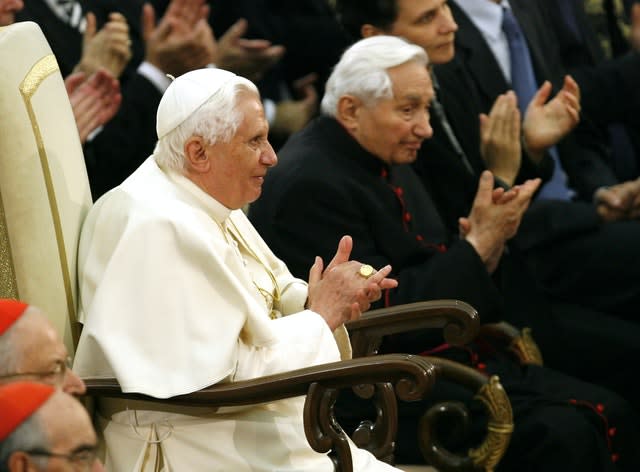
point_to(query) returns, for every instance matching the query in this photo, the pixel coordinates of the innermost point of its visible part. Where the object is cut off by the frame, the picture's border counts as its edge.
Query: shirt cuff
(154, 75)
(269, 110)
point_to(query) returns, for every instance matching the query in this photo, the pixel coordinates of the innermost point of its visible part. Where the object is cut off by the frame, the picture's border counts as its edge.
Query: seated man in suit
(31, 349)
(349, 172)
(43, 429)
(178, 292)
(561, 240)
(566, 229)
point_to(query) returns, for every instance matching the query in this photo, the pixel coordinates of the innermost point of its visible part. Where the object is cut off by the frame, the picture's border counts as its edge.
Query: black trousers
(561, 423)
(598, 269)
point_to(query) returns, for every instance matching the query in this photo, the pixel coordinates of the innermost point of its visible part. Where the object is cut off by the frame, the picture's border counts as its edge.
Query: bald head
(31, 349)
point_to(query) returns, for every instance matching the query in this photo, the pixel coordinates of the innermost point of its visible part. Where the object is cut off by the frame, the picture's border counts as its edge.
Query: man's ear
(348, 111)
(19, 462)
(195, 154)
(367, 30)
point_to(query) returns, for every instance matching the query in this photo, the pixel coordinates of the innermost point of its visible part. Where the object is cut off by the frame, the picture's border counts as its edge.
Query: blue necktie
(524, 85)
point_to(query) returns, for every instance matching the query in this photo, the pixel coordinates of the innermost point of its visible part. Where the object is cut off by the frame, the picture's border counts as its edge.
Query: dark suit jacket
(610, 92)
(126, 140)
(326, 185)
(65, 39)
(585, 164)
(306, 28)
(129, 138)
(556, 237)
(450, 182)
(453, 187)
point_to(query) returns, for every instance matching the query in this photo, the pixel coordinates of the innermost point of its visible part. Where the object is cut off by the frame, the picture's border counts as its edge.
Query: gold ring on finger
(366, 271)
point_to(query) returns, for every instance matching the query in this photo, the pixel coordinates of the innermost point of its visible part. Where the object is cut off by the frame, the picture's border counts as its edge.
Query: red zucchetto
(18, 401)
(10, 311)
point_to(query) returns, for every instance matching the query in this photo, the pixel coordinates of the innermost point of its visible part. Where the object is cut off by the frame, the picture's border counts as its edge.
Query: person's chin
(442, 54)
(408, 156)
(411, 158)
(254, 196)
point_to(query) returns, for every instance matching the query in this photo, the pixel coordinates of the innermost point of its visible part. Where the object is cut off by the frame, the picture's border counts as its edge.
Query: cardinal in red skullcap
(18, 401)
(10, 311)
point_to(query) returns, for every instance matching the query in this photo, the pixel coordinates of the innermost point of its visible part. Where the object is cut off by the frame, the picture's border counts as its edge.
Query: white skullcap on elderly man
(186, 94)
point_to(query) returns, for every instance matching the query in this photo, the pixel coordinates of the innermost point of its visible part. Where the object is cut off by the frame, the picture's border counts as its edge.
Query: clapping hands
(340, 292)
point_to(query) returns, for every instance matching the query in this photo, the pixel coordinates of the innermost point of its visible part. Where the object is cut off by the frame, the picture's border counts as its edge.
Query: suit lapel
(524, 13)
(544, 54)
(473, 50)
(461, 105)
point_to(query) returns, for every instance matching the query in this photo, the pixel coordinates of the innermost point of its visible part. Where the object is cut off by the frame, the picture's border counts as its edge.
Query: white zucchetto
(186, 94)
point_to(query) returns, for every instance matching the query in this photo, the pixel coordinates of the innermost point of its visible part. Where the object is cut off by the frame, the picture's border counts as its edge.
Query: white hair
(29, 436)
(362, 70)
(215, 120)
(9, 356)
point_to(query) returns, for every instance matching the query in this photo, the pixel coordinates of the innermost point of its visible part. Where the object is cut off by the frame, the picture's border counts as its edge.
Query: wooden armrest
(411, 376)
(518, 342)
(458, 320)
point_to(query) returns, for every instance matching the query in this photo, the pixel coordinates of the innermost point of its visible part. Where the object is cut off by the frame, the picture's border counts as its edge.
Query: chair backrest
(44, 188)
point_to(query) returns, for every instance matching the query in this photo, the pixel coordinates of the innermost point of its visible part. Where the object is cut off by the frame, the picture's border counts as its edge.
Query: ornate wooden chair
(44, 197)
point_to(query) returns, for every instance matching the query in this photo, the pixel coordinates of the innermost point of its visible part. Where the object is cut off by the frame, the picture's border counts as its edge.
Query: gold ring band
(366, 271)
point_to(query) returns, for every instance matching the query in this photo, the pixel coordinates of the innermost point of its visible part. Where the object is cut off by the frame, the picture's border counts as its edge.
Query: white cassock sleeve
(167, 307)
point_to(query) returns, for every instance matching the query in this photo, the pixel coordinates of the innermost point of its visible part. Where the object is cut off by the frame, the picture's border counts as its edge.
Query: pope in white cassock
(178, 292)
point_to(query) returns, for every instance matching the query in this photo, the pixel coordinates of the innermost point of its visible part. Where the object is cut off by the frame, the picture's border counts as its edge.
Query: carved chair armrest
(519, 342)
(412, 378)
(461, 324)
(458, 320)
(490, 393)
(408, 372)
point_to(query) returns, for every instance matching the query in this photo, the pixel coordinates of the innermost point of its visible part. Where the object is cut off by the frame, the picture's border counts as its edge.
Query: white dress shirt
(486, 15)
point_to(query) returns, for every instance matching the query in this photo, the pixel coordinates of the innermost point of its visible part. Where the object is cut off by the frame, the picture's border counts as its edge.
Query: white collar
(213, 207)
(485, 14)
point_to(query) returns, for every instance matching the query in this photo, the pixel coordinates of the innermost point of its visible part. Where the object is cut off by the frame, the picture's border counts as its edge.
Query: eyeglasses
(57, 374)
(81, 460)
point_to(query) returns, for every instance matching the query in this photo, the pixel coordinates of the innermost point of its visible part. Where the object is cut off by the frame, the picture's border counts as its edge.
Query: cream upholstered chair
(44, 197)
(44, 189)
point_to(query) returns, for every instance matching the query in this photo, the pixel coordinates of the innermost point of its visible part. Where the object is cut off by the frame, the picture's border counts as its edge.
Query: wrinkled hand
(182, 41)
(500, 138)
(94, 100)
(635, 27)
(547, 123)
(495, 217)
(109, 48)
(339, 293)
(499, 196)
(250, 58)
(619, 202)
(293, 115)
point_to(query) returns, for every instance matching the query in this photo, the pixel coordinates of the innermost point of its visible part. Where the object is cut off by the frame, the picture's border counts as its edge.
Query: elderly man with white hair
(178, 292)
(349, 172)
